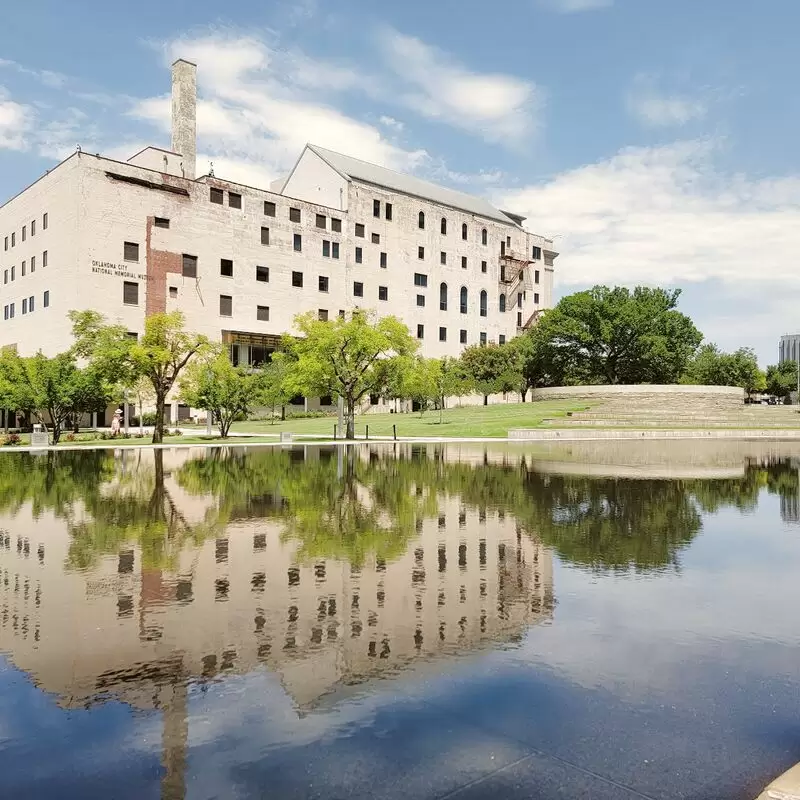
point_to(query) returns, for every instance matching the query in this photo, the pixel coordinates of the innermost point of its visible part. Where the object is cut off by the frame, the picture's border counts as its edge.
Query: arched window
(484, 237)
(464, 231)
(484, 301)
(422, 220)
(443, 297)
(463, 300)
(444, 226)
(502, 303)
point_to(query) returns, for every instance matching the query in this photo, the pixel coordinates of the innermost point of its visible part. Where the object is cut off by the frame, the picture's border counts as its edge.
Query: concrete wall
(649, 395)
(316, 182)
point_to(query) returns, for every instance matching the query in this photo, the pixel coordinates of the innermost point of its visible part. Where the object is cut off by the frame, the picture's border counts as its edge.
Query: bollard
(394, 432)
(367, 432)
(334, 430)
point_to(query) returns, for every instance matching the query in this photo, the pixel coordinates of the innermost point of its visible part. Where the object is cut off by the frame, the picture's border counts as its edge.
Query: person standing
(115, 422)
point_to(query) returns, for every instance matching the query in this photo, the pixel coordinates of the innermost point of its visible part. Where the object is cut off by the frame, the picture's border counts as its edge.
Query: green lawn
(474, 421)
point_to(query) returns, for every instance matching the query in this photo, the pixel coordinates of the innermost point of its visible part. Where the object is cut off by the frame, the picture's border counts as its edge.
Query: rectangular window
(226, 267)
(323, 283)
(442, 334)
(269, 208)
(217, 196)
(442, 257)
(360, 230)
(383, 260)
(376, 208)
(376, 238)
(322, 316)
(536, 276)
(483, 266)
(33, 227)
(5, 311)
(389, 211)
(359, 255)
(24, 267)
(225, 305)
(30, 304)
(420, 252)
(483, 337)
(264, 235)
(189, 266)
(508, 242)
(463, 262)
(33, 263)
(536, 253)
(44, 222)
(234, 200)
(341, 313)
(14, 239)
(336, 225)
(6, 243)
(519, 319)
(161, 222)
(294, 215)
(322, 221)
(130, 293)
(501, 339)
(11, 311)
(383, 293)
(24, 305)
(420, 279)
(24, 232)
(5, 276)
(262, 313)
(536, 298)
(13, 270)
(334, 249)
(462, 336)
(44, 258)
(130, 251)
(520, 298)
(358, 289)
(262, 274)
(173, 292)
(421, 300)
(297, 280)
(326, 248)
(46, 299)
(297, 243)
(420, 331)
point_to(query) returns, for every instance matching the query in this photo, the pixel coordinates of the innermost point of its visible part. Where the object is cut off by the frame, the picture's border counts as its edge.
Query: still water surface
(402, 621)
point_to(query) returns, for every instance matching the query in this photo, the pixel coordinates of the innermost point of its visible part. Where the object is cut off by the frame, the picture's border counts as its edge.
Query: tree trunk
(224, 425)
(283, 413)
(350, 418)
(486, 399)
(523, 392)
(158, 428)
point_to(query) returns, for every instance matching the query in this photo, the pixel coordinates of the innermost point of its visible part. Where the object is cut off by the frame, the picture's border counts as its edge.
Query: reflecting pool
(597, 620)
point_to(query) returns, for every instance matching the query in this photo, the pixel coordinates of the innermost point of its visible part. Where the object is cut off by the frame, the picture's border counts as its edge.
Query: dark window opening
(294, 215)
(217, 196)
(234, 200)
(297, 280)
(226, 267)
(130, 293)
(131, 251)
(189, 266)
(225, 305)
(264, 235)
(269, 208)
(262, 274)
(262, 313)
(161, 222)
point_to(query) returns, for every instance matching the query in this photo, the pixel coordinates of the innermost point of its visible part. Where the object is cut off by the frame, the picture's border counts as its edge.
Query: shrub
(70, 437)
(12, 439)
(308, 414)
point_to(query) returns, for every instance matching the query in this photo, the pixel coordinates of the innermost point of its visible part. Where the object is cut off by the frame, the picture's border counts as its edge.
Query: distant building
(789, 348)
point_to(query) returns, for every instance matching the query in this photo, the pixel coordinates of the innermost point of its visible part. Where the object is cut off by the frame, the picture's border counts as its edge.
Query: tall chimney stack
(184, 114)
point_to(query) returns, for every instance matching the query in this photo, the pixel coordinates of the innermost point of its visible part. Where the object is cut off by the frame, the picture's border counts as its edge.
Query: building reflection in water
(147, 571)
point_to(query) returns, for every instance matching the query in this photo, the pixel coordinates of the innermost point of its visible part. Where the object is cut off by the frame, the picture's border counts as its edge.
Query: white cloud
(15, 123)
(500, 108)
(260, 105)
(574, 6)
(666, 215)
(391, 122)
(48, 78)
(657, 108)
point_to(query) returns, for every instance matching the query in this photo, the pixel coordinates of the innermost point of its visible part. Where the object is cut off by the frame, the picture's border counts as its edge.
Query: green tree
(52, 389)
(619, 337)
(781, 379)
(274, 384)
(712, 367)
(493, 368)
(210, 381)
(341, 357)
(160, 355)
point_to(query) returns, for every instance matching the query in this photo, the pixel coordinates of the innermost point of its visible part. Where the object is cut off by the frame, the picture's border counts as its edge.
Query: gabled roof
(358, 170)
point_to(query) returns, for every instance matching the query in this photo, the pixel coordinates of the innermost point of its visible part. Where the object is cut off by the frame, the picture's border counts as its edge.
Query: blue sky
(656, 139)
